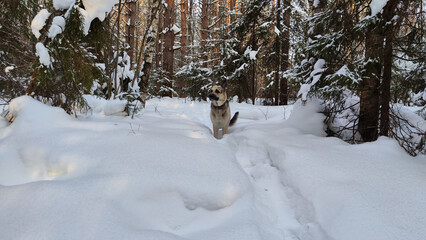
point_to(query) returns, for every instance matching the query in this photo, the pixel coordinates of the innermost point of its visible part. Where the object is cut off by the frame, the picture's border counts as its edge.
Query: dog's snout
(213, 97)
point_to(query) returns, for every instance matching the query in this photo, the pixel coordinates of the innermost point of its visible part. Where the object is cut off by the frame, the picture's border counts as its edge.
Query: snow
(377, 6)
(345, 71)
(104, 107)
(60, 21)
(175, 29)
(58, 25)
(251, 53)
(304, 90)
(39, 21)
(63, 4)
(95, 9)
(43, 54)
(8, 69)
(319, 64)
(316, 3)
(54, 30)
(314, 77)
(276, 30)
(162, 175)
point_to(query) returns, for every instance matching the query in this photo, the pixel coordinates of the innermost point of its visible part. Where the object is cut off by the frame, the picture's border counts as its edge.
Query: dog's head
(218, 94)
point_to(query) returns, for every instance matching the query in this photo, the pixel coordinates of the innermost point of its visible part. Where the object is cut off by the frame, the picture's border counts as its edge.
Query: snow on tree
(65, 68)
(39, 22)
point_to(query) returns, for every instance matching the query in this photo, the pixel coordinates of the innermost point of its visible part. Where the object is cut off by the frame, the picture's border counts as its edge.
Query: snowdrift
(162, 175)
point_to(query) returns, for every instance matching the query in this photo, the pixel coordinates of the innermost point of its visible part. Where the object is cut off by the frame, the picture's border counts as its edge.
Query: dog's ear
(224, 84)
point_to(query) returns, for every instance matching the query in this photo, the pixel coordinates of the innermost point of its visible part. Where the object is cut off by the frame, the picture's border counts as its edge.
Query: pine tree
(168, 51)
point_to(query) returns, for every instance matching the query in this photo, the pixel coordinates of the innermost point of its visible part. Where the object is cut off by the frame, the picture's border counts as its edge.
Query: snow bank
(111, 177)
(105, 107)
(162, 175)
(30, 113)
(335, 190)
(3, 122)
(27, 160)
(307, 118)
(39, 21)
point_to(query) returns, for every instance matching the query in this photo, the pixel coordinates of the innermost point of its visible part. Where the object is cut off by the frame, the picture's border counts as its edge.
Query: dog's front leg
(216, 132)
(225, 130)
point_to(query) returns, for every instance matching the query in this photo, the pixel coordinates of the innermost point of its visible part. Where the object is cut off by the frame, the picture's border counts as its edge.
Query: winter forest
(106, 129)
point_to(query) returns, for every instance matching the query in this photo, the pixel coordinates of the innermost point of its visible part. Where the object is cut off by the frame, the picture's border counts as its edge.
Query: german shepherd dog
(220, 113)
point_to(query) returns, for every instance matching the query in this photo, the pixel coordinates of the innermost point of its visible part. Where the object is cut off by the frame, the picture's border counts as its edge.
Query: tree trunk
(232, 8)
(321, 4)
(204, 32)
(147, 50)
(159, 39)
(253, 66)
(215, 32)
(369, 99)
(285, 50)
(117, 47)
(184, 24)
(169, 39)
(278, 54)
(190, 24)
(130, 38)
(390, 28)
(183, 14)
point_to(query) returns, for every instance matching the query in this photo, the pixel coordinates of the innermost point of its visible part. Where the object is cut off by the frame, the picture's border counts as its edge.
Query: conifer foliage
(64, 69)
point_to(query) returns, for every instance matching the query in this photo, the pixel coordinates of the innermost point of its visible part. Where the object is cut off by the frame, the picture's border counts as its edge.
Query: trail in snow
(277, 202)
(162, 176)
(278, 206)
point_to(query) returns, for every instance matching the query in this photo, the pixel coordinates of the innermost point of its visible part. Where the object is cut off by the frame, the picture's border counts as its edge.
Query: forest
(361, 59)
(114, 119)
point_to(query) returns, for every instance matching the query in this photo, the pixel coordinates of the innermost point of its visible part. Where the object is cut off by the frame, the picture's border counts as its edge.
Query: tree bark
(285, 50)
(131, 26)
(147, 50)
(391, 26)
(232, 8)
(317, 9)
(204, 32)
(253, 65)
(278, 54)
(169, 39)
(159, 39)
(117, 45)
(190, 24)
(369, 99)
(184, 24)
(184, 33)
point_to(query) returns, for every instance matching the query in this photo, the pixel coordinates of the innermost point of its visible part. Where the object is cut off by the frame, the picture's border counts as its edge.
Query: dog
(220, 113)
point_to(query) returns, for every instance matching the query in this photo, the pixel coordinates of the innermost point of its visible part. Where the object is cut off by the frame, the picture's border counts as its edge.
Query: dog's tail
(234, 119)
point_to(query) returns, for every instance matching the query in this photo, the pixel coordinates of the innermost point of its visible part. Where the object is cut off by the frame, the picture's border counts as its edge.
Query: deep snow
(162, 175)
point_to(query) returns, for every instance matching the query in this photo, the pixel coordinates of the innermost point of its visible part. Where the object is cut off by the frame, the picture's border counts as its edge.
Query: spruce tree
(16, 46)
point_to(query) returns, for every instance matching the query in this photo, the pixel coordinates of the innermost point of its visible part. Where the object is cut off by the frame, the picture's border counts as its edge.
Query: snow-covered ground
(162, 175)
